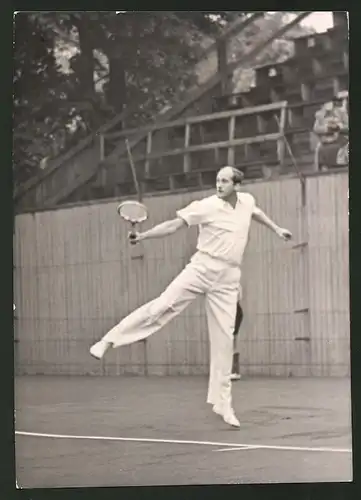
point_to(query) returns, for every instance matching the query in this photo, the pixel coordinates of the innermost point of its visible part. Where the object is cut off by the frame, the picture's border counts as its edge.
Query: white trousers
(219, 283)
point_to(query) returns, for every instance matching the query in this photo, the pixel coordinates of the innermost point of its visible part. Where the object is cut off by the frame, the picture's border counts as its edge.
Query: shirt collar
(225, 204)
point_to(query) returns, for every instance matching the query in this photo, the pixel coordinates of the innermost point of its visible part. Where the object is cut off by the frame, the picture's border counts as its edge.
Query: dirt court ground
(101, 431)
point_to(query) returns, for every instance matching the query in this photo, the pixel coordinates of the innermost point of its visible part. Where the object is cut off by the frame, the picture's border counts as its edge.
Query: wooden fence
(75, 276)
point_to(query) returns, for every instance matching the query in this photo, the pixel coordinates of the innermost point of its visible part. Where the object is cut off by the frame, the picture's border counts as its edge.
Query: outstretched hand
(284, 234)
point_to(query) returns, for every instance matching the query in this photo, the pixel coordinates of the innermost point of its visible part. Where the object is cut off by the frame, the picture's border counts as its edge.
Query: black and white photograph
(181, 277)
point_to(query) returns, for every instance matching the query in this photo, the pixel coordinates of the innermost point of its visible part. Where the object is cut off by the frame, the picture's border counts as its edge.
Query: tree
(150, 57)
(36, 73)
(143, 59)
(255, 33)
(278, 51)
(78, 35)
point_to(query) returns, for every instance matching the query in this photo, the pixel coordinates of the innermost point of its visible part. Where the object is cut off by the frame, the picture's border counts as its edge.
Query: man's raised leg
(152, 316)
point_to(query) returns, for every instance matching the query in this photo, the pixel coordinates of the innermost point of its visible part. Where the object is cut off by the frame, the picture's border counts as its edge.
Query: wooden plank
(25, 240)
(230, 31)
(263, 108)
(81, 234)
(43, 293)
(27, 331)
(261, 124)
(43, 235)
(301, 348)
(276, 35)
(206, 147)
(56, 229)
(27, 307)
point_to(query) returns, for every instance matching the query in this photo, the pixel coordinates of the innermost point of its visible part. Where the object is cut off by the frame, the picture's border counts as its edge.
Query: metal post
(231, 130)
(102, 147)
(149, 150)
(281, 142)
(186, 157)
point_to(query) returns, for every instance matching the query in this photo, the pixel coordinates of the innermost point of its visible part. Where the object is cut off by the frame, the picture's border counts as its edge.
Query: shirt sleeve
(195, 213)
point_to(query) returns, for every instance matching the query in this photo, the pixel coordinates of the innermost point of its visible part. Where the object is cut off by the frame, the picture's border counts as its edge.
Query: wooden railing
(159, 144)
(186, 124)
(187, 159)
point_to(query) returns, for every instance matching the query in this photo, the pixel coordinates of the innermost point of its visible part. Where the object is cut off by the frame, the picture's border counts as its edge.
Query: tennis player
(214, 271)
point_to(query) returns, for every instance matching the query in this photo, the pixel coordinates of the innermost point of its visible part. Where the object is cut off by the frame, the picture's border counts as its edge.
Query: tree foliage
(112, 61)
(278, 51)
(38, 113)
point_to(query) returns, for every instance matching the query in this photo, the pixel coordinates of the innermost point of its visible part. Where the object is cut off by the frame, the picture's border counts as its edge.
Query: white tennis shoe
(228, 415)
(230, 418)
(235, 376)
(99, 349)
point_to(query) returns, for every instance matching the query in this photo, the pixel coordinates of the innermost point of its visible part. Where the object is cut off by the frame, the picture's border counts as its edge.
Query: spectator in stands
(331, 127)
(343, 153)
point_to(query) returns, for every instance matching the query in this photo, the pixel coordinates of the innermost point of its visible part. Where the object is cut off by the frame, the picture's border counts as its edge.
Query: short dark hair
(337, 100)
(238, 176)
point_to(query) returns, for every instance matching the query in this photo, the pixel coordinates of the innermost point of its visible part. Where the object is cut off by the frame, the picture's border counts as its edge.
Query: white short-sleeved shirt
(223, 230)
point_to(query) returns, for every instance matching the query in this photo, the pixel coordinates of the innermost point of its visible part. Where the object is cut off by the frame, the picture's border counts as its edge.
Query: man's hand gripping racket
(284, 234)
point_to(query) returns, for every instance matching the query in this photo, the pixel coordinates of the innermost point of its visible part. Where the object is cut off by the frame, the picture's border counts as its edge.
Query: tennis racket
(133, 212)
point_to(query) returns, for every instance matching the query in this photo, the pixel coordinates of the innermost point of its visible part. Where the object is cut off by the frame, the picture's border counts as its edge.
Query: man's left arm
(259, 216)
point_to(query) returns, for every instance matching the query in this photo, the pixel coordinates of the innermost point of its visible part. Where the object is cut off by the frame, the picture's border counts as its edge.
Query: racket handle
(132, 237)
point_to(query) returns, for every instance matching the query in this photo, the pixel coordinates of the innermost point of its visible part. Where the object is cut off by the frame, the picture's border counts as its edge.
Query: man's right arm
(195, 213)
(164, 229)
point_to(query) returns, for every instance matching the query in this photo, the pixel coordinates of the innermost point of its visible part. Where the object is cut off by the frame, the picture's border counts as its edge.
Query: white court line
(136, 440)
(238, 448)
(178, 441)
(289, 448)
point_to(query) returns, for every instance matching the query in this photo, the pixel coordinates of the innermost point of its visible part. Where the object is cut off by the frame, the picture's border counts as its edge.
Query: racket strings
(133, 212)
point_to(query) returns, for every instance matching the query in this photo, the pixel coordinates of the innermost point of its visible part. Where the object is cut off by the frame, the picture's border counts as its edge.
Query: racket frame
(133, 222)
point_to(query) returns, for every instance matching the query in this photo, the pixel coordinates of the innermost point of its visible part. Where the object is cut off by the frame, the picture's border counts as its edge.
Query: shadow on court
(295, 430)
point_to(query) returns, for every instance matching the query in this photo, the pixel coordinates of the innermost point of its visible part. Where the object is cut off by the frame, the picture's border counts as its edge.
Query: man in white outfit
(214, 271)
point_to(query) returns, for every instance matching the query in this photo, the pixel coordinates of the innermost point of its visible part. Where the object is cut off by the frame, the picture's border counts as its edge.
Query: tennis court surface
(102, 431)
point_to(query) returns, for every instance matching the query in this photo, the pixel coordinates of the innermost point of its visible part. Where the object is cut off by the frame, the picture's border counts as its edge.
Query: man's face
(224, 183)
(329, 106)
